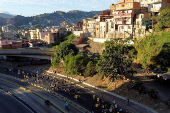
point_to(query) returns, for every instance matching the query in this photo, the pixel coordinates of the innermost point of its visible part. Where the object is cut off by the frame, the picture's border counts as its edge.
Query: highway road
(31, 99)
(86, 98)
(35, 101)
(9, 104)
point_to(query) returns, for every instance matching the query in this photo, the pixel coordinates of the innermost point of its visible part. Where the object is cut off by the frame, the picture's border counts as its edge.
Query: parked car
(157, 72)
(164, 76)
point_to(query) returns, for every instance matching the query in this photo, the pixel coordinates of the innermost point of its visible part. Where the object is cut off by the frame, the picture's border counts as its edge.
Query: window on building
(97, 28)
(129, 4)
(122, 5)
(129, 27)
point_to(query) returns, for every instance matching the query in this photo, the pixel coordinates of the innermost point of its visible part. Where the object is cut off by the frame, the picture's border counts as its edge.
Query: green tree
(90, 68)
(115, 56)
(163, 18)
(139, 87)
(70, 37)
(75, 65)
(153, 50)
(64, 49)
(163, 58)
(55, 62)
(153, 93)
(131, 71)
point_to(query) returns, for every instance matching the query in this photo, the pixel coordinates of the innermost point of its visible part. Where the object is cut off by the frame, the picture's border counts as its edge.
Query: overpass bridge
(34, 53)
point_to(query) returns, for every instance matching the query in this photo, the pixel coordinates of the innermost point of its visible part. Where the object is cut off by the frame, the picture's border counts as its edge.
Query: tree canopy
(116, 57)
(163, 18)
(75, 65)
(65, 48)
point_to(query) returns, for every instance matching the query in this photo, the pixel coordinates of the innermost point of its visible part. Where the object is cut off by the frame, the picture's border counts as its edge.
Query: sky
(35, 7)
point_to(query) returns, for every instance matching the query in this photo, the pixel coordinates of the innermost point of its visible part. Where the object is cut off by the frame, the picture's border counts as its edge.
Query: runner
(23, 72)
(68, 90)
(42, 77)
(35, 79)
(27, 77)
(9, 69)
(120, 110)
(98, 100)
(52, 86)
(19, 73)
(57, 87)
(47, 78)
(97, 105)
(66, 105)
(24, 76)
(65, 82)
(75, 97)
(27, 74)
(32, 75)
(65, 91)
(38, 79)
(68, 86)
(93, 97)
(75, 87)
(128, 101)
(62, 82)
(79, 93)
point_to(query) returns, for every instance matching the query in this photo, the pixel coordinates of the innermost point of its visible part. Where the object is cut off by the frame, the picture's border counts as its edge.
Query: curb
(123, 98)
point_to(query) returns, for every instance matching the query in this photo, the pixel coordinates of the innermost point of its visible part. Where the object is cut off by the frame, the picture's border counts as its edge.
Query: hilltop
(49, 19)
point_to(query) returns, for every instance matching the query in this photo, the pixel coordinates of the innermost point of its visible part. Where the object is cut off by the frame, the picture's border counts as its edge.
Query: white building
(5, 28)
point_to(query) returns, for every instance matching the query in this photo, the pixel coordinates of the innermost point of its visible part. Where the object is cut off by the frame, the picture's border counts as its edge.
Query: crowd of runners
(98, 105)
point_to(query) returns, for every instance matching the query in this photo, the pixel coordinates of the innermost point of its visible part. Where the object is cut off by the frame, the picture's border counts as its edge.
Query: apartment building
(49, 38)
(7, 35)
(143, 20)
(89, 26)
(4, 28)
(112, 9)
(126, 12)
(33, 34)
(154, 5)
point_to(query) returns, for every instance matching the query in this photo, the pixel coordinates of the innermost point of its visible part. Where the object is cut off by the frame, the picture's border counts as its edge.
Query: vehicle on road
(157, 72)
(47, 102)
(164, 76)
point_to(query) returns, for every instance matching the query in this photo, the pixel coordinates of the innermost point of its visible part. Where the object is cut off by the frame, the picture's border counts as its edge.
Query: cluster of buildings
(125, 18)
(18, 39)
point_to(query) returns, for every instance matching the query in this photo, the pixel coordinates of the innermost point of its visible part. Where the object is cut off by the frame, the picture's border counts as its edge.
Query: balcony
(154, 1)
(155, 9)
(121, 22)
(123, 15)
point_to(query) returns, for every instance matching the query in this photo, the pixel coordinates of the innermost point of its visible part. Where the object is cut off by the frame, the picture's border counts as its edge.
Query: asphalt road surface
(85, 99)
(9, 104)
(33, 100)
